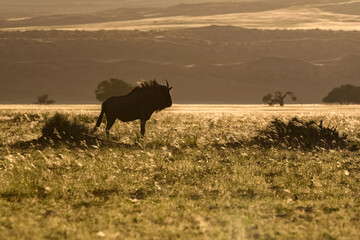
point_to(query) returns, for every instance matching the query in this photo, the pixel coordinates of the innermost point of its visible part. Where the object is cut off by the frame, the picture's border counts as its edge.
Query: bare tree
(278, 98)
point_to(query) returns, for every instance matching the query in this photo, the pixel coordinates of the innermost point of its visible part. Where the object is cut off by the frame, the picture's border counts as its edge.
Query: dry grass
(184, 180)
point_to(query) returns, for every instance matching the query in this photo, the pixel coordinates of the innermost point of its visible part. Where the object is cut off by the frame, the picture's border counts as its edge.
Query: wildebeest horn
(167, 84)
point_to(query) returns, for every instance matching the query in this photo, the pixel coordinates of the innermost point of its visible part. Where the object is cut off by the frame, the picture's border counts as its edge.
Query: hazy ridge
(36, 8)
(125, 15)
(220, 63)
(211, 64)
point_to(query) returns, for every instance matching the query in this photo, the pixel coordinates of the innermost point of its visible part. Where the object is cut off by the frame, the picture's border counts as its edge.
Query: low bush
(300, 134)
(61, 127)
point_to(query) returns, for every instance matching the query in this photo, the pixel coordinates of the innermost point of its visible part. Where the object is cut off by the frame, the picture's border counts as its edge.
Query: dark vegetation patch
(104, 192)
(60, 127)
(244, 192)
(13, 196)
(63, 129)
(229, 144)
(25, 117)
(294, 134)
(300, 134)
(139, 193)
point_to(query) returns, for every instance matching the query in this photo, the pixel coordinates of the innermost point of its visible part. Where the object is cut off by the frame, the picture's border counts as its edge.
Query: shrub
(61, 127)
(300, 134)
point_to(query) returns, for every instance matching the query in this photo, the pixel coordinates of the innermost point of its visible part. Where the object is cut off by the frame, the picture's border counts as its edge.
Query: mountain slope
(75, 81)
(212, 64)
(281, 14)
(121, 14)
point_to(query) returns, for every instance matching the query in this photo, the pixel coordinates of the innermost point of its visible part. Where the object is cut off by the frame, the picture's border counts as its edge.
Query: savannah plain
(194, 175)
(197, 173)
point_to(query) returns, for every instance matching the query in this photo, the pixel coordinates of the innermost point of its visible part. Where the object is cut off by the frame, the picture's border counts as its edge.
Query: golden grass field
(181, 181)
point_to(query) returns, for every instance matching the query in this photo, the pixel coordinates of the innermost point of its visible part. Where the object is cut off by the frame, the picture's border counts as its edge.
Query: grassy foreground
(185, 180)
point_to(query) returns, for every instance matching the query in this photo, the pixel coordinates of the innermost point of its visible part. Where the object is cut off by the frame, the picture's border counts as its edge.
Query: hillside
(48, 13)
(160, 15)
(215, 64)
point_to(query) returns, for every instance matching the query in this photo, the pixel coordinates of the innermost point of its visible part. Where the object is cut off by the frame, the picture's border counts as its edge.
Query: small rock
(100, 234)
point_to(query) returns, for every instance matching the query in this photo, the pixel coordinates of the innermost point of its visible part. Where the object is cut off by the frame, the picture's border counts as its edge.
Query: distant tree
(44, 99)
(345, 94)
(268, 99)
(278, 98)
(112, 87)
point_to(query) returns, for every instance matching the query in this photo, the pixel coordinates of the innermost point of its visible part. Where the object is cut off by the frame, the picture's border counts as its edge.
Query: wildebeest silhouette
(140, 103)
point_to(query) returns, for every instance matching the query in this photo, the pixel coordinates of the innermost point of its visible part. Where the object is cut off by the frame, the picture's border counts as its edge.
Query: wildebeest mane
(150, 89)
(145, 85)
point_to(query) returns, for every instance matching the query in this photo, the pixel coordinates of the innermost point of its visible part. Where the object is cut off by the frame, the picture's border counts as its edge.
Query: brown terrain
(211, 64)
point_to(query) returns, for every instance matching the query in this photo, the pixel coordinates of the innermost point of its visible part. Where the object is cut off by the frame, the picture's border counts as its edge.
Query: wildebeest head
(164, 96)
(158, 94)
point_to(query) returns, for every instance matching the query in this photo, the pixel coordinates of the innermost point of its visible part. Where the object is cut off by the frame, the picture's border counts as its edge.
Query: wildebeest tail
(100, 118)
(98, 123)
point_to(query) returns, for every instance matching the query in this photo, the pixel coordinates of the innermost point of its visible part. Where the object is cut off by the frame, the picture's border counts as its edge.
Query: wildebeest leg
(109, 124)
(142, 125)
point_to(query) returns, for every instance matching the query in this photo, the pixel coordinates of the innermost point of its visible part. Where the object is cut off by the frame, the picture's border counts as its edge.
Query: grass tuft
(65, 129)
(300, 134)
(61, 127)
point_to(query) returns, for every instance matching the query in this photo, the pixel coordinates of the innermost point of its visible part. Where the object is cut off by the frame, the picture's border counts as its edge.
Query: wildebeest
(140, 103)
